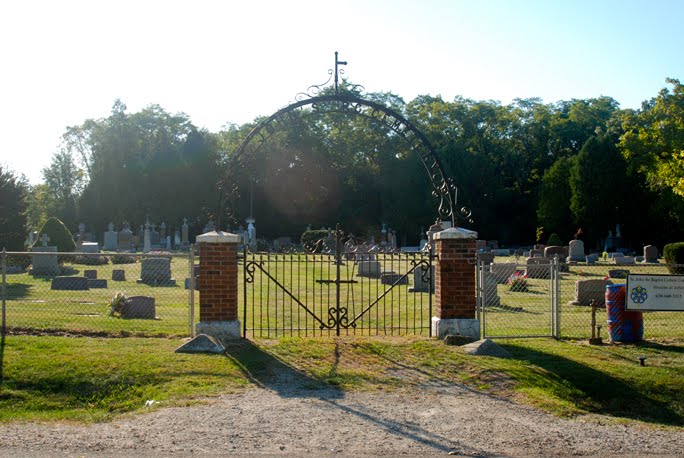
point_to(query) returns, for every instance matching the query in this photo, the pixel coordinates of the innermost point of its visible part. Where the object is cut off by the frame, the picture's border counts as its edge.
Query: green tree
(653, 139)
(553, 208)
(64, 180)
(599, 187)
(13, 192)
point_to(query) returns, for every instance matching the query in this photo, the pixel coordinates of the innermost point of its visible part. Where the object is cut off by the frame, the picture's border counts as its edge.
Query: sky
(226, 62)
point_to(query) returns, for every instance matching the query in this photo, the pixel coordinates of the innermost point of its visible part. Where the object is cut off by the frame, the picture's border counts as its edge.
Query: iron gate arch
(347, 102)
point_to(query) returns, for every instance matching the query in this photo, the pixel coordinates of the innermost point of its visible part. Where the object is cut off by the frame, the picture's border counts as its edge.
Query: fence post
(4, 291)
(455, 300)
(191, 289)
(218, 286)
(557, 297)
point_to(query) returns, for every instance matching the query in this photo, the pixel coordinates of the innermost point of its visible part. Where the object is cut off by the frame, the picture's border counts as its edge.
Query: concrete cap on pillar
(455, 233)
(218, 237)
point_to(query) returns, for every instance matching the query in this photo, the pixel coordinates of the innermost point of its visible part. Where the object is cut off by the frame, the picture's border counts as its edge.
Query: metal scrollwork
(250, 268)
(348, 100)
(334, 319)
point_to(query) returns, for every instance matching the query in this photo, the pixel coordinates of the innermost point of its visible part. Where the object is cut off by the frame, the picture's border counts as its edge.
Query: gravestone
(370, 269)
(538, 267)
(89, 247)
(90, 273)
(501, 252)
(486, 258)
(618, 273)
(624, 260)
(156, 272)
(358, 257)
(588, 290)
(155, 239)
(110, 239)
(539, 247)
(502, 271)
(490, 290)
(97, 283)
(210, 227)
(176, 239)
(185, 243)
(420, 284)
(81, 235)
(147, 240)
(576, 251)
(70, 283)
(142, 307)
(390, 278)
(44, 265)
(553, 251)
(650, 253)
(480, 245)
(591, 258)
(125, 242)
(187, 283)
(536, 253)
(162, 231)
(118, 275)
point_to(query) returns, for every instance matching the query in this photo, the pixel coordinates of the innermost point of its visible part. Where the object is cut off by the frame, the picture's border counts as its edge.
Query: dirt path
(281, 420)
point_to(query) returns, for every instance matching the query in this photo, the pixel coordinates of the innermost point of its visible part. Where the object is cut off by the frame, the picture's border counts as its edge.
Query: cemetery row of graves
(388, 290)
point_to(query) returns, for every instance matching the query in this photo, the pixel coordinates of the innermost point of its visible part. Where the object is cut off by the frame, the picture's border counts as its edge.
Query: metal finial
(338, 62)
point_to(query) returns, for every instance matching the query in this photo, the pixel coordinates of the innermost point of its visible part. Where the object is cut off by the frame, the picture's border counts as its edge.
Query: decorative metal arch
(352, 104)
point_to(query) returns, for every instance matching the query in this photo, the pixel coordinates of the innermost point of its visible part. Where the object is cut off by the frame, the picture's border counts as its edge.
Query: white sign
(655, 292)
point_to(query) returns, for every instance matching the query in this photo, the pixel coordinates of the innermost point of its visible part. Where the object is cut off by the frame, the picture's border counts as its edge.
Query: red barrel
(623, 325)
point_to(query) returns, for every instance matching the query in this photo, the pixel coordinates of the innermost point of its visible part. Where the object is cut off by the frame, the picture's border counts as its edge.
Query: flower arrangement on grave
(518, 282)
(117, 303)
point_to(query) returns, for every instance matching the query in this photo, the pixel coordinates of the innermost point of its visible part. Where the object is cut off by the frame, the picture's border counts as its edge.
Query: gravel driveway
(283, 419)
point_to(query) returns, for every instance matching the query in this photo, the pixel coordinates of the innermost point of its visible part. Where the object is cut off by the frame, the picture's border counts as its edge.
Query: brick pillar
(455, 270)
(218, 286)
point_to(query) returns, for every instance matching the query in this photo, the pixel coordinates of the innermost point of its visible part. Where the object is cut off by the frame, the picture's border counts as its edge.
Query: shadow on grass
(272, 373)
(601, 392)
(17, 290)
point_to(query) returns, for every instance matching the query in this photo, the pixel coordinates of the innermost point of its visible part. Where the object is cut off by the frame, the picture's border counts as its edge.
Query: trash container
(623, 325)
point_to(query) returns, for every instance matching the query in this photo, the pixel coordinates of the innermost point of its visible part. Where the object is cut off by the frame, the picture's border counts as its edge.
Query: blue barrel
(623, 325)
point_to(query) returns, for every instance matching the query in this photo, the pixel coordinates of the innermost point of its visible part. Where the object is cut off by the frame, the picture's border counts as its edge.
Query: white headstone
(147, 242)
(111, 242)
(576, 251)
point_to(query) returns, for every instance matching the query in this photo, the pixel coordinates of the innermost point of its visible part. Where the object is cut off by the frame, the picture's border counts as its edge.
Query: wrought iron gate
(336, 286)
(519, 300)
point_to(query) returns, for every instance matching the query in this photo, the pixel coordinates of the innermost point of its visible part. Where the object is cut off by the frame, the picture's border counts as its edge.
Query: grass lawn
(96, 379)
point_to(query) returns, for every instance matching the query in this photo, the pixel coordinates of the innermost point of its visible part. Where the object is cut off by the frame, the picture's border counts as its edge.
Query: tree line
(526, 170)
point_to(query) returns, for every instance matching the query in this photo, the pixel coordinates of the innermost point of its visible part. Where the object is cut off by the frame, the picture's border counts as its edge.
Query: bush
(58, 234)
(123, 259)
(91, 260)
(554, 240)
(674, 257)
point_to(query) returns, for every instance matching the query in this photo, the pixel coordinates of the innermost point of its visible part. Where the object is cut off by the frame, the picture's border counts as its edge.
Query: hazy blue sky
(219, 61)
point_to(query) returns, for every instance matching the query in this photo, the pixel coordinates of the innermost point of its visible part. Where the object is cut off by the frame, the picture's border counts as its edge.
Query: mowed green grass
(97, 379)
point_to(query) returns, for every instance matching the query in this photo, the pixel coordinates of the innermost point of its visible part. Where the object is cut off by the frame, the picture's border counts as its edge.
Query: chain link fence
(548, 298)
(99, 293)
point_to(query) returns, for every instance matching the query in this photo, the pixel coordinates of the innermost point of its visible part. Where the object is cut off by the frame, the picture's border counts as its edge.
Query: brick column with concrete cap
(218, 285)
(455, 269)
